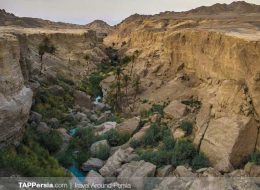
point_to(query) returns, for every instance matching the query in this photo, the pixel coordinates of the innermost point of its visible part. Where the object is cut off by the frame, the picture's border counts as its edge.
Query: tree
(133, 58)
(45, 47)
(126, 79)
(136, 87)
(118, 88)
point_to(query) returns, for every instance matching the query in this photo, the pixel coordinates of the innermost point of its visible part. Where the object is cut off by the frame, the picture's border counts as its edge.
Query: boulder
(82, 99)
(65, 136)
(179, 133)
(164, 171)
(140, 134)
(98, 106)
(172, 183)
(35, 117)
(93, 118)
(43, 128)
(95, 148)
(228, 140)
(252, 169)
(80, 116)
(211, 172)
(238, 173)
(135, 173)
(115, 162)
(202, 121)
(182, 171)
(129, 126)
(175, 110)
(56, 90)
(54, 123)
(211, 184)
(103, 128)
(92, 164)
(94, 178)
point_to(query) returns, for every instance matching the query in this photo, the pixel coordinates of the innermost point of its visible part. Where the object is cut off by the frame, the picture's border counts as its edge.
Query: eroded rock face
(228, 141)
(216, 66)
(15, 98)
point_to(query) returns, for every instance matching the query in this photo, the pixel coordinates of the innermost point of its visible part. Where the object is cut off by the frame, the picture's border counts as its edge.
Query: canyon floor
(158, 101)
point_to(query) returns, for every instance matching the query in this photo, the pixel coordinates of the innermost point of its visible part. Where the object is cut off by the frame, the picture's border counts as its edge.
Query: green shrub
(153, 135)
(85, 137)
(159, 158)
(66, 159)
(136, 143)
(168, 142)
(116, 138)
(157, 108)
(200, 161)
(184, 152)
(255, 157)
(91, 85)
(103, 152)
(51, 141)
(187, 127)
(30, 161)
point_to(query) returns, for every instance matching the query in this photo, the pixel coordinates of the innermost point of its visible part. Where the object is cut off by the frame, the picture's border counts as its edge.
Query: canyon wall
(15, 97)
(219, 68)
(20, 65)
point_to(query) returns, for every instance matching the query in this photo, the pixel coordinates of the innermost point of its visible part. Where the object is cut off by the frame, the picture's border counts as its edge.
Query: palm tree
(136, 87)
(118, 87)
(133, 58)
(126, 79)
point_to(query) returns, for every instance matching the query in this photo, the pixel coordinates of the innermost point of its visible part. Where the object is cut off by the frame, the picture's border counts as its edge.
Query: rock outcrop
(15, 97)
(184, 57)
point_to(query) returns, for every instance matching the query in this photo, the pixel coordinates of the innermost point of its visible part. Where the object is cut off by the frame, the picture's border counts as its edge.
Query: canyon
(209, 55)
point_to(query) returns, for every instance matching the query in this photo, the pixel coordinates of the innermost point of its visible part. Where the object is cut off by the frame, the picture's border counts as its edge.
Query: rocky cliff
(213, 59)
(15, 97)
(77, 53)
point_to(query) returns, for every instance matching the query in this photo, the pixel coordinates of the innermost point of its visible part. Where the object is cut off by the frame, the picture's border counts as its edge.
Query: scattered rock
(92, 164)
(238, 173)
(93, 118)
(65, 136)
(129, 126)
(82, 99)
(211, 172)
(101, 129)
(164, 171)
(140, 134)
(56, 90)
(81, 116)
(94, 178)
(182, 171)
(35, 117)
(175, 110)
(96, 146)
(98, 106)
(54, 123)
(115, 162)
(43, 128)
(135, 173)
(252, 169)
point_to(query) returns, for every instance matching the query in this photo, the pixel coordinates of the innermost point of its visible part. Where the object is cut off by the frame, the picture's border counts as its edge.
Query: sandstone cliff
(77, 53)
(211, 59)
(15, 97)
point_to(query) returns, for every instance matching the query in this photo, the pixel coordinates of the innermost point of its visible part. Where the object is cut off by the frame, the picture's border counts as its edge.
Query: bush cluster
(187, 127)
(169, 152)
(30, 159)
(115, 138)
